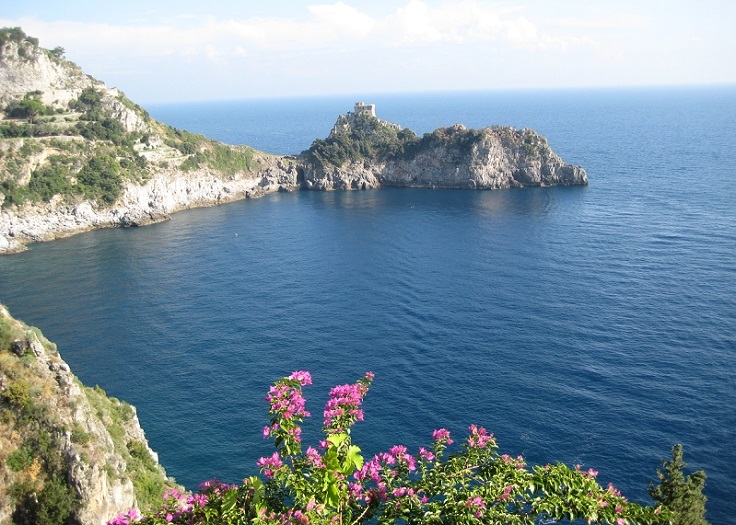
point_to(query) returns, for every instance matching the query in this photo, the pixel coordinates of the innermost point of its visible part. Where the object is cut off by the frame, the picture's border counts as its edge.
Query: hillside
(66, 450)
(77, 155)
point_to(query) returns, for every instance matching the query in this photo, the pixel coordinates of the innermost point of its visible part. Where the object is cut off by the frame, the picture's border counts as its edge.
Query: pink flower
(303, 377)
(356, 490)
(343, 407)
(479, 437)
(426, 454)
(476, 504)
(198, 500)
(442, 435)
(125, 519)
(267, 464)
(313, 457)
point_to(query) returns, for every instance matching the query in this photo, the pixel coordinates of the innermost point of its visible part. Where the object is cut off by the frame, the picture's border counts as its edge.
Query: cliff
(363, 151)
(76, 155)
(68, 453)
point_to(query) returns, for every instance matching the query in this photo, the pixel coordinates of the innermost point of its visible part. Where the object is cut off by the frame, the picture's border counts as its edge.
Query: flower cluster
(442, 436)
(129, 517)
(476, 505)
(343, 407)
(268, 465)
(479, 437)
(287, 407)
(285, 397)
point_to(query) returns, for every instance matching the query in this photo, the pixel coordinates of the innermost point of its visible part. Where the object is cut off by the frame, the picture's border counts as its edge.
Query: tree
(58, 52)
(681, 494)
(31, 108)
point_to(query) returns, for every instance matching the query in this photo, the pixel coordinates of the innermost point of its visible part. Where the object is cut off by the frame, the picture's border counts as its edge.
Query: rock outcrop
(364, 152)
(65, 449)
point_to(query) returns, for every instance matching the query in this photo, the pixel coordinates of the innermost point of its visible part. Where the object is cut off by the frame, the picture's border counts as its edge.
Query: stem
(359, 517)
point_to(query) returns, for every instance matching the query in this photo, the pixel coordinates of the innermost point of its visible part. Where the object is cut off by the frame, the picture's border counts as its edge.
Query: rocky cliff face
(456, 157)
(23, 69)
(65, 450)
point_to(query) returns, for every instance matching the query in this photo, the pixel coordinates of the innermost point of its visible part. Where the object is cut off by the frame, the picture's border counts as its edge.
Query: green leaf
(354, 460)
(337, 439)
(229, 501)
(333, 495)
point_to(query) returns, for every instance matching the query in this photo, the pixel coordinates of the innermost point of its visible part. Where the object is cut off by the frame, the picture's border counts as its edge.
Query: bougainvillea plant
(333, 484)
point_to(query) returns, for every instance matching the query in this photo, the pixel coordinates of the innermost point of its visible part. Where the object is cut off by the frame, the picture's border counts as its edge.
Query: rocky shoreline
(166, 193)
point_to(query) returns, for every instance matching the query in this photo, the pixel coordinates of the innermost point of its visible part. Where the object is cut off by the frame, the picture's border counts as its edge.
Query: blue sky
(157, 51)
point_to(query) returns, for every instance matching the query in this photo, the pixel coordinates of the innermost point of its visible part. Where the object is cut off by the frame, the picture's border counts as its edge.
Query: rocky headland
(363, 152)
(76, 155)
(68, 453)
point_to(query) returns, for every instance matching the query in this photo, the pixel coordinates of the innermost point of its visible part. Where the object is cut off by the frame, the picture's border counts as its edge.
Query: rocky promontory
(68, 453)
(76, 155)
(363, 151)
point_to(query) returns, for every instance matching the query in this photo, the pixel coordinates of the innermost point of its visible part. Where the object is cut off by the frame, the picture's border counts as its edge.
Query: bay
(592, 325)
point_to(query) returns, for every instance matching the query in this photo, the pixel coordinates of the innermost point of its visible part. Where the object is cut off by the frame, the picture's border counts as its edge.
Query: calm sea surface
(592, 325)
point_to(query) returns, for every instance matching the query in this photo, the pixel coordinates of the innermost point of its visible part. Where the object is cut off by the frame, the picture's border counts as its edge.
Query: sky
(187, 50)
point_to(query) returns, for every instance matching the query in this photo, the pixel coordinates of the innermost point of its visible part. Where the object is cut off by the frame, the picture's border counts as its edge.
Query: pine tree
(681, 494)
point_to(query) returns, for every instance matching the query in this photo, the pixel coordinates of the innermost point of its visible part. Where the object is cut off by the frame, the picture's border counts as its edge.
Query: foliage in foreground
(333, 484)
(683, 495)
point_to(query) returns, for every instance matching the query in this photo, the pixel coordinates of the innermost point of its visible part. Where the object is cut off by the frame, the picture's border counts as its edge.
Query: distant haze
(189, 50)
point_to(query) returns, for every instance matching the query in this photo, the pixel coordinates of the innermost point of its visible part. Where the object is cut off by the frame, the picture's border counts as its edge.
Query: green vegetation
(35, 420)
(683, 495)
(94, 169)
(203, 152)
(20, 459)
(335, 484)
(58, 52)
(16, 34)
(220, 157)
(367, 138)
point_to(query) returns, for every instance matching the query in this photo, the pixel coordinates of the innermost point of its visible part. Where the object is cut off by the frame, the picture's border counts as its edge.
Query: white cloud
(417, 23)
(343, 20)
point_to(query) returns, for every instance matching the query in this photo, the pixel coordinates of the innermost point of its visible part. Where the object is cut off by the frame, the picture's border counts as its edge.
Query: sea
(587, 325)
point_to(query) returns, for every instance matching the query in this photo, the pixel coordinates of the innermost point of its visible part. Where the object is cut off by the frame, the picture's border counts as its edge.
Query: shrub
(80, 436)
(20, 459)
(681, 494)
(367, 138)
(334, 484)
(53, 505)
(18, 394)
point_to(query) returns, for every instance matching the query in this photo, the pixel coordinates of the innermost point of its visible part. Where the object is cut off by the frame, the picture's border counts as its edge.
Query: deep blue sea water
(592, 325)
